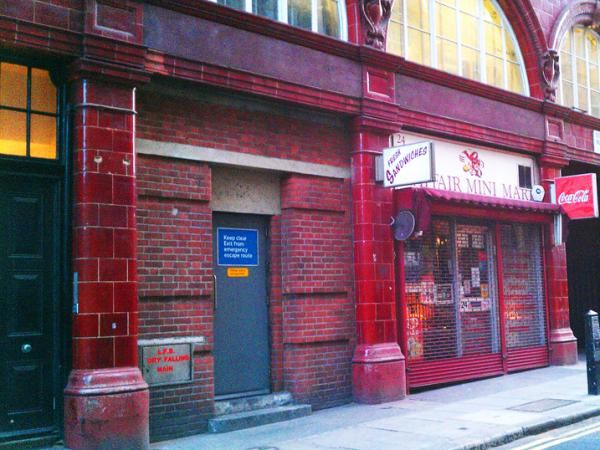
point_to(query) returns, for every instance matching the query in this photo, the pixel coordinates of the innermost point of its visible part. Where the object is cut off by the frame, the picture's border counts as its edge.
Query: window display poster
(477, 241)
(475, 277)
(466, 287)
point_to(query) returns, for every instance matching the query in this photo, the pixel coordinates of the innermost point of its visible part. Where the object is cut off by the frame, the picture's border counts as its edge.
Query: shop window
(320, 16)
(470, 38)
(452, 292)
(580, 81)
(28, 112)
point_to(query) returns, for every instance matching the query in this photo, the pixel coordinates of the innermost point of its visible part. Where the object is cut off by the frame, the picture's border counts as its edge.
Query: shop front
(472, 294)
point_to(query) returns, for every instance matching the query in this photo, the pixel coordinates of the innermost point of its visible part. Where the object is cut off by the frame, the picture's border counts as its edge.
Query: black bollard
(592, 352)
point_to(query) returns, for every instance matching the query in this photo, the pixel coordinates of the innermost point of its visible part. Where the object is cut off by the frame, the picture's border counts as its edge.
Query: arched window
(28, 112)
(470, 38)
(579, 62)
(321, 16)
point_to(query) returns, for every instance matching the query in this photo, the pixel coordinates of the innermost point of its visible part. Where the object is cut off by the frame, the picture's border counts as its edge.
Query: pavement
(475, 415)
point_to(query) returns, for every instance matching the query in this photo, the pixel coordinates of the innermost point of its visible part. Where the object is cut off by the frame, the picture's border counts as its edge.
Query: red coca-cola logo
(580, 196)
(576, 195)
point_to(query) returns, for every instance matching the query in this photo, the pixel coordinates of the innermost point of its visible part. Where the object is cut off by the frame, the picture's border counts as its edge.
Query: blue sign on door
(237, 247)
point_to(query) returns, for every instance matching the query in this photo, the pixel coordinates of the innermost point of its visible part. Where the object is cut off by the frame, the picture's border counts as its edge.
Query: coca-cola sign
(577, 195)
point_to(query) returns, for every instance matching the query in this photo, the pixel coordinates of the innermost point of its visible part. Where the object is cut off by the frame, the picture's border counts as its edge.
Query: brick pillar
(378, 370)
(106, 398)
(563, 343)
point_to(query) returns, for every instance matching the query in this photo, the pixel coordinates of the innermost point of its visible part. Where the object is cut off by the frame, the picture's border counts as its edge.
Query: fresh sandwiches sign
(408, 164)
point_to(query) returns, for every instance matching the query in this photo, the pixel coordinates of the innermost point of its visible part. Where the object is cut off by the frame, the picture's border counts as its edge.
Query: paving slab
(473, 415)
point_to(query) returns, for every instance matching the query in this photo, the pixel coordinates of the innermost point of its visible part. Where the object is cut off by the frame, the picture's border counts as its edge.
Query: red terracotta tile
(95, 297)
(368, 332)
(93, 242)
(113, 269)
(116, 120)
(87, 269)
(113, 216)
(384, 311)
(366, 312)
(131, 270)
(19, 9)
(123, 141)
(126, 351)
(133, 323)
(114, 324)
(93, 187)
(124, 190)
(93, 353)
(85, 325)
(126, 299)
(85, 214)
(98, 139)
(125, 243)
(52, 15)
(131, 216)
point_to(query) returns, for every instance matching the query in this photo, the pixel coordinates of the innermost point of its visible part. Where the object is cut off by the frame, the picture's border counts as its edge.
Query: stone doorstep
(263, 416)
(238, 405)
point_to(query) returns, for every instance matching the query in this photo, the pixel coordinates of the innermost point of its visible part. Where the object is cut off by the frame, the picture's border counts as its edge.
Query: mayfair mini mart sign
(467, 169)
(576, 195)
(408, 164)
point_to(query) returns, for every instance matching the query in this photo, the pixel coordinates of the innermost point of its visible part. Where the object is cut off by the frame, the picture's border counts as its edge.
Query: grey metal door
(241, 327)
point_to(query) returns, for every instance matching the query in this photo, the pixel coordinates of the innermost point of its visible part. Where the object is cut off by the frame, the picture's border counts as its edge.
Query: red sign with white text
(577, 195)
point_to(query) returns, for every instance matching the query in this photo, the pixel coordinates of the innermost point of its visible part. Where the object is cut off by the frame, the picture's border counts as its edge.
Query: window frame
(282, 16)
(58, 115)
(574, 75)
(434, 36)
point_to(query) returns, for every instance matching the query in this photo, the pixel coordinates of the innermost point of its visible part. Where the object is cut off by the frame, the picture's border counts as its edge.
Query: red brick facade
(309, 110)
(311, 308)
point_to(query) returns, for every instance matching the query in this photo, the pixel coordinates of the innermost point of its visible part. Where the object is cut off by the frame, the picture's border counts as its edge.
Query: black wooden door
(241, 346)
(28, 284)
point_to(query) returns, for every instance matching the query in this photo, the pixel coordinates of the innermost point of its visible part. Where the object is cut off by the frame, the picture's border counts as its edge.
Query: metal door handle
(26, 348)
(214, 292)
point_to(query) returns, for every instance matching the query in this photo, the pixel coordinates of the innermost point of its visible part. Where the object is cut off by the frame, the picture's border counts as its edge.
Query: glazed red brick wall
(190, 121)
(67, 14)
(317, 303)
(324, 317)
(174, 272)
(174, 228)
(316, 227)
(578, 137)
(276, 306)
(319, 373)
(311, 306)
(183, 410)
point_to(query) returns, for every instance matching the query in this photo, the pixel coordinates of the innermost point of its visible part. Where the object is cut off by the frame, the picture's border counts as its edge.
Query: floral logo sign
(471, 163)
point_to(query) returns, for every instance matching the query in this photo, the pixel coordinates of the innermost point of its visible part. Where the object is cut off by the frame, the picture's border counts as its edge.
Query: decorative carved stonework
(550, 74)
(376, 14)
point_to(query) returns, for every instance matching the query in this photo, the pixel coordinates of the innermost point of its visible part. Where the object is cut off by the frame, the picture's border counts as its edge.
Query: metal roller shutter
(453, 301)
(524, 301)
